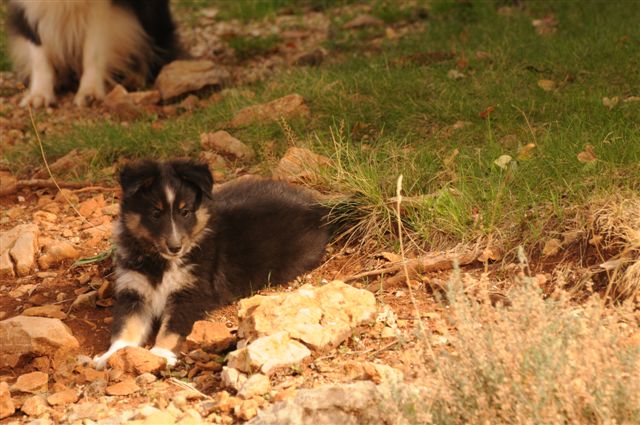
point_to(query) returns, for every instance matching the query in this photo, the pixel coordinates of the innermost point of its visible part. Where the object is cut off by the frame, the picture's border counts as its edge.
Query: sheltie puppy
(93, 42)
(182, 250)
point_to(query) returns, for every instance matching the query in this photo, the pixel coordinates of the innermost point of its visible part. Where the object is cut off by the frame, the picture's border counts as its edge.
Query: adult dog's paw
(169, 355)
(38, 99)
(90, 90)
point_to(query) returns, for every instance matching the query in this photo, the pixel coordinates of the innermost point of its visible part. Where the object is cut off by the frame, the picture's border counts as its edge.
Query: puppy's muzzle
(174, 247)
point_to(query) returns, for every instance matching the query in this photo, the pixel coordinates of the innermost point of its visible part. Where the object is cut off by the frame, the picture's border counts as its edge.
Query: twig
(52, 184)
(423, 264)
(387, 270)
(46, 164)
(384, 348)
(96, 189)
(186, 386)
(368, 351)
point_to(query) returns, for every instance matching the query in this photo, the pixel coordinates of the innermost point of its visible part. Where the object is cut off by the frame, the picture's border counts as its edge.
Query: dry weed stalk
(615, 222)
(53, 179)
(534, 361)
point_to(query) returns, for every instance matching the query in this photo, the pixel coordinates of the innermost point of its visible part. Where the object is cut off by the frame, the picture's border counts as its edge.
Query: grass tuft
(404, 113)
(247, 47)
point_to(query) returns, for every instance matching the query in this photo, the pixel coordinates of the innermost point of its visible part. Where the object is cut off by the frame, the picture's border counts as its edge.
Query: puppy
(182, 251)
(97, 42)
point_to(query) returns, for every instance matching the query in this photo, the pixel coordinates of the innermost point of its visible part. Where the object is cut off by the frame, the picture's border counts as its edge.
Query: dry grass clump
(615, 227)
(535, 361)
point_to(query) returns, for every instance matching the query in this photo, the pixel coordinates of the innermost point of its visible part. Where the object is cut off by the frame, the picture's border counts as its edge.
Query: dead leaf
(547, 85)
(363, 21)
(390, 33)
(610, 102)
(595, 240)
(460, 124)
(490, 253)
(454, 74)
(462, 63)
(391, 257)
(571, 236)
(481, 55)
(588, 155)
(614, 264)
(526, 151)
(209, 12)
(487, 112)
(503, 161)
(630, 99)
(545, 26)
(551, 247)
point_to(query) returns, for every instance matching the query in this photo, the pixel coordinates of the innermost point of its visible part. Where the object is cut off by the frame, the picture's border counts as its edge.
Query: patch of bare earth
(200, 387)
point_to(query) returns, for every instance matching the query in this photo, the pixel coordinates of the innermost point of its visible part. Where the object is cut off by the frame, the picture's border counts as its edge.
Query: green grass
(250, 47)
(5, 64)
(396, 106)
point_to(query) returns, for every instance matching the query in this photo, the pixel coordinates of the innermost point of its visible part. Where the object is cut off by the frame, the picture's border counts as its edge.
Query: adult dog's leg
(42, 78)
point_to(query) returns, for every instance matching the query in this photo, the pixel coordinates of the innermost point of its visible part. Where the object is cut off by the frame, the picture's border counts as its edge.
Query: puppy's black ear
(138, 175)
(196, 173)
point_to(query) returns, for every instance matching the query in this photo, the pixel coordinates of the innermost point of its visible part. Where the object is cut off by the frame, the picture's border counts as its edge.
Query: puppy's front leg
(131, 326)
(177, 323)
(167, 343)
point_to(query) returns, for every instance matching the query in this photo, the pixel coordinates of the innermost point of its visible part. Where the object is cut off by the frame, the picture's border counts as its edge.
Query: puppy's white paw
(38, 100)
(169, 355)
(99, 362)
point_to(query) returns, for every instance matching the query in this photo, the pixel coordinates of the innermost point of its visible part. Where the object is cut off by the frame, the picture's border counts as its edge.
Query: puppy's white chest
(174, 279)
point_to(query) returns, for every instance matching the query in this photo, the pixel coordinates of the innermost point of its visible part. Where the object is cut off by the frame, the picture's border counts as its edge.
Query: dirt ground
(391, 340)
(62, 284)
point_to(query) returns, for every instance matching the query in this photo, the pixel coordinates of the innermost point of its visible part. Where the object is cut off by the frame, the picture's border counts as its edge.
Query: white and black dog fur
(182, 250)
(93, 43)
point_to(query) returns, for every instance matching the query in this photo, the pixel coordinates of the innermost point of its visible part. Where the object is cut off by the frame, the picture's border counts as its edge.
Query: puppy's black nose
(174, 249)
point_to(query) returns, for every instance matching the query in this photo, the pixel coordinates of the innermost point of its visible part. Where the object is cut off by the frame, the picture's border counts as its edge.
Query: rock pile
(279, 331)
(358, 403)
(18, 248)
(27, 337)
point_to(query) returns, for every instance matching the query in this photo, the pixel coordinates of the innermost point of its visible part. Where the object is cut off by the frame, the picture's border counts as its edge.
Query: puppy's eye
(156, 213)
(185, 212)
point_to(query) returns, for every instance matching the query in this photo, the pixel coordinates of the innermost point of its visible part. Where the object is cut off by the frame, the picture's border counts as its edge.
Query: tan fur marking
(182, 204)
(134, 330)
(132, 223)
(166, 339)
(202, 218)
(158, 205)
